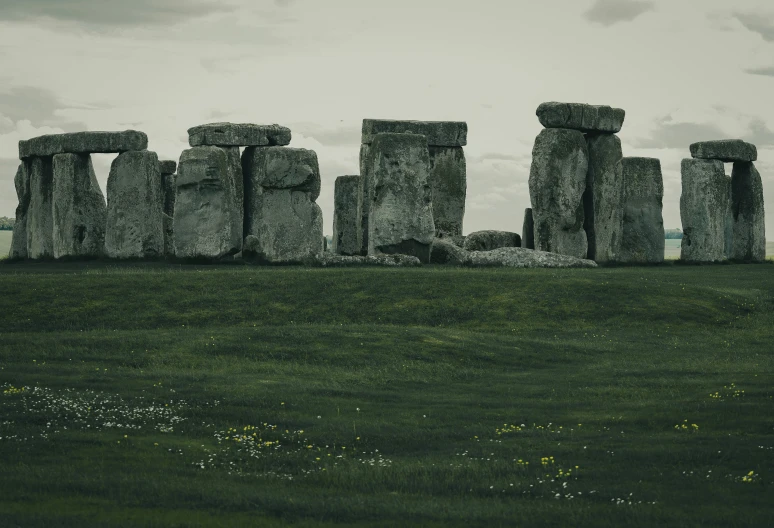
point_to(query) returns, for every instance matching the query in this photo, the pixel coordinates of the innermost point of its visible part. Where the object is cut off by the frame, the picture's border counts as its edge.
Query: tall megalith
(604, 197)
(747, 211)
(642, 234)
(346, 215)
(19, 238)
(40, 219)
(703, 210)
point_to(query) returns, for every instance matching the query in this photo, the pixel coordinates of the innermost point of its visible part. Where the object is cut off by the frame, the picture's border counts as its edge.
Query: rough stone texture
(516, 257)
(604, 197)
(205, 221)
(168, 223)
(19, 237)
(448, 185)
(444, 251)
(168, 191)
(729, 225)
(83, 143)
(329, 260)
(528, 230)
(40, 219)
(79, 211)
(438, 133)
(457, 240)
(579, 116)
(489, 240)
(238, 184)
(282, 168)
(726, 150)
(167, 167)
(400, 217)
(642, 239)
(703, 209)
(557, 180)
(238, 135)
(134, 207)
(749, 230)
(363, 202)
(346, 215)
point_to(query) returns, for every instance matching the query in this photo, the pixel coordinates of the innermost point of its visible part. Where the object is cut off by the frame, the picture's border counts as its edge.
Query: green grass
(430, 396)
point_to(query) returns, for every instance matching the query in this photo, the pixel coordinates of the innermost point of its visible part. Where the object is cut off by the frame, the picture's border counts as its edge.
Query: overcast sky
(684, 71)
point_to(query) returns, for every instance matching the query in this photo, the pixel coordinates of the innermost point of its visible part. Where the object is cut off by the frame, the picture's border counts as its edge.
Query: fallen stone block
(445, 252)
(438, 133)
(489, 240)
(346, 216)
(642, 234)
(238, 135)
(725, 150)
(582, 117)
(329, 260)
(749, 223)
(83, 143)
(604, 197)
(40, 215)
(19, 237)
(167, 167)
(517, 257)
(703, 210)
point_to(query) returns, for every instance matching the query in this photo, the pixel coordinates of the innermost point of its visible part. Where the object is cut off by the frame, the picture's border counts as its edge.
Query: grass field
(157, 395)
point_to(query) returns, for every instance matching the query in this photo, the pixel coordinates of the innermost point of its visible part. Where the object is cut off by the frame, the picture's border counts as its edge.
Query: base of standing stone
(747, 214)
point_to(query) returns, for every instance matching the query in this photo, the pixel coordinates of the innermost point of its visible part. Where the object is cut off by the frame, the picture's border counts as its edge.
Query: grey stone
(448, 185)
(642, 238)
(604, 197)
(19, 237)
(134, 207)
(749, 227)
(167, 167)
(489, 240)
(168, 223)
(40, 215)
(726, 150)
(557, 180)
(444, 251)
(346, 215)
(363, 201)
(400, 217)
(528, 230)
(206, 220)
(329, 260)
(83, 143)
(579, 116)
(438, 133)
(238, 135)
(457, 240)
(703, 210)
(729, 225)
(238, 184)
(80, 213)
(282, 168)
(169, 189)
(516, 257)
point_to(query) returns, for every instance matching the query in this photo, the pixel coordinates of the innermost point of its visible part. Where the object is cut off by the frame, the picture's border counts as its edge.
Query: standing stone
(604, 197)
(40, 220)
(238, 184)
(642, 235)
(205, 204)
(79, 208)
(448, 185)
(557, 180)
(19, 237)
(364, 204)
(528, 230)
(489, 240)
(346, 215)
(703, 209)
(749, 230)
(134, 207)
(400, 218)
(168, 190)
(729, 225)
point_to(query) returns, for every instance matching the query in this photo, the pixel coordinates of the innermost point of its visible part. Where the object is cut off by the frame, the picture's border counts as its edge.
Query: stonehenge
(489, 240)
(168, 169)
(528, 230)
(747, 215)
(642, 234)
(19, 237)
(346, 215)
(603, 198)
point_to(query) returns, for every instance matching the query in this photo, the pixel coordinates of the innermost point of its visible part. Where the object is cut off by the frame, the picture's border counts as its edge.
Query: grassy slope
(424, 366)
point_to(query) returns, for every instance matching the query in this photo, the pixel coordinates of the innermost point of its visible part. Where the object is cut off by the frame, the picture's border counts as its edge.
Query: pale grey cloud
(341, 136)
(609, 12)
(760, 23)
(39, 106)
(760, 134)
(671, 135)
(766, 71)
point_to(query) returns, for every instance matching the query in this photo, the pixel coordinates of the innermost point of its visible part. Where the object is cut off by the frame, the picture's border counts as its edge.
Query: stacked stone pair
(722, 216)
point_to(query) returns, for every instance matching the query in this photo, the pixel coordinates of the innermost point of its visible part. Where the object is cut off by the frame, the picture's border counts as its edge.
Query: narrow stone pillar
(642, 235)
(604, 197)
(40, 219)
(19, 238)
(749, 227)
(703, 210)
(528, 230)
(346, 215)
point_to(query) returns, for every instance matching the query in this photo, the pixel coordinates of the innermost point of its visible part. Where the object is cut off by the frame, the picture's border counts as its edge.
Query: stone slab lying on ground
(457, 240)
(346, 216)
(579, 116)
(747, 211)
(438, 133)
(489, 240)
(167, 166)
(329, 260)
(238, 135)
(516, 257)
(448, 184)
(604, 197)
(528, 230)
(725, 150)
(444, 251)
(83, 143)
(19, 236)
(40, 219)
(703, 210)
(642, 231)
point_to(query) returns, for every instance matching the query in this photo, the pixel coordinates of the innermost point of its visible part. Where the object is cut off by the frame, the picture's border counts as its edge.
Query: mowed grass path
(159, 395)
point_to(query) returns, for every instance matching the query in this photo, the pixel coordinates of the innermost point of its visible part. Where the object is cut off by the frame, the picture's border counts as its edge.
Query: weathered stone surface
(726, 150)
(749, 228)
(448, 186)
(330, 260)
(282, 168)
(238, 184)
(83, 143)
(168, 190)
(528, 230)
(604, 197)
(287, 226)
(346, 215)
(557, 180)
(729, 225)
(40, 219)
(134, 226)
(19, 237)
(364, 203)
(400, 218)
(80, 213)
(444, 251)
(642, 238)
(168, 223)
(516, 257)
(579, 116)
(438, 133)
(489, 240)
(238, 135)
(167, 167)
(703, 209)
(206, 220)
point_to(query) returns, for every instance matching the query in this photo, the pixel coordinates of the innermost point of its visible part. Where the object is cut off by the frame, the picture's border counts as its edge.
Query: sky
(683, 70)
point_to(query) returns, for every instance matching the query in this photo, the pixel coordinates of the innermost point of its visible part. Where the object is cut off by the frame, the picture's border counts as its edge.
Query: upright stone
(134, 207)
(729, 225)
(528, 230)
(19, 238)
(168, 189)
(448, 185)
(238, 184)
(582, 117)
(749, 229)
(642, 234)
(604, 197)
(703, 209)
(364, 204)
(40, 220)
(557, 180)
(400, 218)
(80, 213)
(346, 215)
